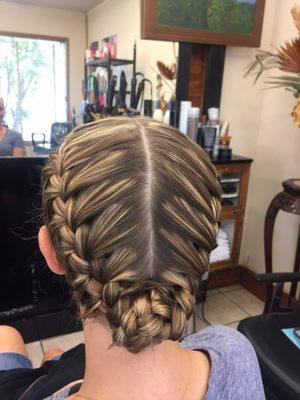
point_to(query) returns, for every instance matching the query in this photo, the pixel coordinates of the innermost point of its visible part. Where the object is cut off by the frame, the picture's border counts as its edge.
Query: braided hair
(132, 207)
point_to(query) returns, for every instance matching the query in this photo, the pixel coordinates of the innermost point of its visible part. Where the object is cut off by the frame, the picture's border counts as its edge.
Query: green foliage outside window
(21, 67)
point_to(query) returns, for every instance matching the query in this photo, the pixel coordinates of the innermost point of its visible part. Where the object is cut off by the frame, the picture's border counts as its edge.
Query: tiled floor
(226, 306)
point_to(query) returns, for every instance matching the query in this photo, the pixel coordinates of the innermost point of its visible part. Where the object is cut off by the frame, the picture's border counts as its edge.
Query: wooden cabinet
(234, 178)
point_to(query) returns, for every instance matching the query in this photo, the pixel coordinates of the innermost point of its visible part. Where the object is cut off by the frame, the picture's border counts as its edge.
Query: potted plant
(286, 59)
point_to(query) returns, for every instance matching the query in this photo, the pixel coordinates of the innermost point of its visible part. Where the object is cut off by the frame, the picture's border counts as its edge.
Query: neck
(114, 373)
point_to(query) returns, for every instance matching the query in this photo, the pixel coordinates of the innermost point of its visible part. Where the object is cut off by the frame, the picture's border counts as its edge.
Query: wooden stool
(289, 201)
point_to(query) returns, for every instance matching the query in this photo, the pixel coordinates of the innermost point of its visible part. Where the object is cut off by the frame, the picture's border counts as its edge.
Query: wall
(276, 155)
(260, 120)
(51, 22)
(123, 17)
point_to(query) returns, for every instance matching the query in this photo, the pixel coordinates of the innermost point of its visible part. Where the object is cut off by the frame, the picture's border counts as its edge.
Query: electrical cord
(202, 317)
(202, 297)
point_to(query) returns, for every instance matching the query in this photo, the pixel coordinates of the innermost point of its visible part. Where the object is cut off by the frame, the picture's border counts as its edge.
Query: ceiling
(71, 5)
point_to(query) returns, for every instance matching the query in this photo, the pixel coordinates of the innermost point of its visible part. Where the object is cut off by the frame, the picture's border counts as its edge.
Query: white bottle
(158, 115)
(184, 110)
(213, 114)
(167, 117)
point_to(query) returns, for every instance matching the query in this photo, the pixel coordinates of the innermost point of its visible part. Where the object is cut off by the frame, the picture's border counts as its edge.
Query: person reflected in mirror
(11, 142)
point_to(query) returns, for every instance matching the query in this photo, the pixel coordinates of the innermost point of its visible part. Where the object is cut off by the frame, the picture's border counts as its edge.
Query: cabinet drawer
(231, 168)
(231, 212)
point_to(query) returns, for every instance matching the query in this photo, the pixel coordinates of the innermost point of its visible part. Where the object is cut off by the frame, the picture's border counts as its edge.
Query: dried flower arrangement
(167, 76)
(286, 59)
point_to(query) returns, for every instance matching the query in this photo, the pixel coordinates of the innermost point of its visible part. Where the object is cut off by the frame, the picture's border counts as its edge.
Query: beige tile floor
(226, 306)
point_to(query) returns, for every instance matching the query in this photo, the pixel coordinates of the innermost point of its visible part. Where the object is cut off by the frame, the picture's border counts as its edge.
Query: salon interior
(231, 84)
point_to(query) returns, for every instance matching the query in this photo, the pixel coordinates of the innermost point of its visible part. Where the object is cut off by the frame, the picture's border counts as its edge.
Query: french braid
(132, 207)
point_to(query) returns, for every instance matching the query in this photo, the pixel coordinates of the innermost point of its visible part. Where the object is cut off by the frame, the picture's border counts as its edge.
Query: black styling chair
(278, 357)
(58, 131)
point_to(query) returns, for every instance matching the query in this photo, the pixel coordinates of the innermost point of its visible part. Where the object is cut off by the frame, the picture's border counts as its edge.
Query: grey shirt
(235, 373)
(11, 140)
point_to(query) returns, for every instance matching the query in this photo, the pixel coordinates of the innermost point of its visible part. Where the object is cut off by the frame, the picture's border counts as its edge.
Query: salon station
(202, 67)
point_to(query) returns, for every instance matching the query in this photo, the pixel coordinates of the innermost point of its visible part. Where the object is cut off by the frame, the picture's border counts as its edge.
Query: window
(33, 83)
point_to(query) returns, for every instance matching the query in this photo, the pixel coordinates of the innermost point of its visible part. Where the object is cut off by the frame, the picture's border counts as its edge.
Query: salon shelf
(118, 92)
(235, 171)
(229, 195)
(104, 62)
(108, 63)
(230, 180)
(234, 159)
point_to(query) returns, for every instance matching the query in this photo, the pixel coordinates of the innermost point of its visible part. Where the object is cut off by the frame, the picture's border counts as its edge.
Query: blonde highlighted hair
(132, 207)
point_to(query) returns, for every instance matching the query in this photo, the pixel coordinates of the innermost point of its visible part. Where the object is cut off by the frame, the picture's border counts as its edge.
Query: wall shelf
(108, 63)
(104, 62)
(229, 195)
(229, 180)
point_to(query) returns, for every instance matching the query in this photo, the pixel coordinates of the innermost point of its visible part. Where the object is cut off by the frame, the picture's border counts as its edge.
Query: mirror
(44, 77)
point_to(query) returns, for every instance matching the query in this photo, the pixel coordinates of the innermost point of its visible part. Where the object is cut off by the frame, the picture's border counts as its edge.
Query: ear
(48, 251)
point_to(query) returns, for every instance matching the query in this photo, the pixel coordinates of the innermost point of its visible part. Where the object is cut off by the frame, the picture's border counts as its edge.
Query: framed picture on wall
(223, 22)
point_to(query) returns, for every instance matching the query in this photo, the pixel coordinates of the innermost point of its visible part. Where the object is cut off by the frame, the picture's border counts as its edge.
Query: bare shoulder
(200, 374)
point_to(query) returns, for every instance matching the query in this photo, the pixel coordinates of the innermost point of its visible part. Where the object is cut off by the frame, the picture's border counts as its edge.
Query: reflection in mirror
(11, 141)
(33, 90)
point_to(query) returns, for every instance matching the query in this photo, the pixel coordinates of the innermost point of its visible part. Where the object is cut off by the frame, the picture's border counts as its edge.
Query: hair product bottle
(158, 115)
(167, 115)
(174, 113)
(193, 123)
(184, 110)
(213, 115)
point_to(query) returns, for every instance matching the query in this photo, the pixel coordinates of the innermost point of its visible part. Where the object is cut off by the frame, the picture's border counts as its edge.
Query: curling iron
(140, 91)
(111, 93)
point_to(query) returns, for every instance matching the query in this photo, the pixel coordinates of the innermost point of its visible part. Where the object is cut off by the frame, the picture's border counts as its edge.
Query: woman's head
(2, 109)
(131, 207)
